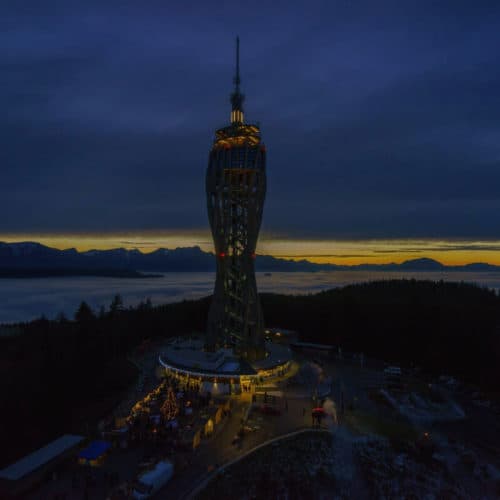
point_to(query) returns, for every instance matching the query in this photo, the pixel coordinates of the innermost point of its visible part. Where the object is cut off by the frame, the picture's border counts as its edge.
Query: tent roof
(159, 470)
(40, 457)
(94, 450)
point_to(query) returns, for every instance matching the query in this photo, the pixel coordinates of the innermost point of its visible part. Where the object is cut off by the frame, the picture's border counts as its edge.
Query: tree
(61, 318)
(84, 313)
(145, 305)
(102, 312)
(170, 409)
(116, 304)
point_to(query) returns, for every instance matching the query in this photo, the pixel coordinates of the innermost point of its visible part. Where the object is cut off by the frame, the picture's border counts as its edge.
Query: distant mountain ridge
(32, 255)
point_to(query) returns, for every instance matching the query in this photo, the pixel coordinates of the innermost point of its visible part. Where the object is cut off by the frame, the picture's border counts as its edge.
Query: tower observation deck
(236, 189)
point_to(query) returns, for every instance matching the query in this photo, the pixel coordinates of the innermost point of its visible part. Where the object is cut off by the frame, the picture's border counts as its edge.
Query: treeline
(57, 376)
(445, 328)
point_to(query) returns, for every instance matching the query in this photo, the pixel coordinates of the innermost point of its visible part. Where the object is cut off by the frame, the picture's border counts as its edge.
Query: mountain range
(35, 257)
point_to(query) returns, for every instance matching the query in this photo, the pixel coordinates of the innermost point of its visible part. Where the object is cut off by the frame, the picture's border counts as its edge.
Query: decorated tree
(170, 409)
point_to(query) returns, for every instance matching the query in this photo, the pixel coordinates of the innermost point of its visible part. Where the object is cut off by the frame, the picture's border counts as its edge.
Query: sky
(380, 121)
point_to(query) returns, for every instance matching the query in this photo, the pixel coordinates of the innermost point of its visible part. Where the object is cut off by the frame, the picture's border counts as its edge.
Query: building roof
(40, 457)
(189, 353)
(188, 356)
(94, 450)
(161, 468)
(277, 355)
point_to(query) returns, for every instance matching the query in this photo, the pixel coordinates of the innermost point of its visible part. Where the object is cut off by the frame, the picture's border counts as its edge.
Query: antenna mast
(237, 97)
(237, 76)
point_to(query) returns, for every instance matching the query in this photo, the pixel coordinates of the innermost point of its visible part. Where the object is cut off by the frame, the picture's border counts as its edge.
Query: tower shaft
(236, 189)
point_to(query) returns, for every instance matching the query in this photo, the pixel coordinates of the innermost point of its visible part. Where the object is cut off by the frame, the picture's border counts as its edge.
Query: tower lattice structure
(236, 189)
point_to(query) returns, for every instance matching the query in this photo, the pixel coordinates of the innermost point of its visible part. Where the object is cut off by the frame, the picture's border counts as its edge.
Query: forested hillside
(57, 376)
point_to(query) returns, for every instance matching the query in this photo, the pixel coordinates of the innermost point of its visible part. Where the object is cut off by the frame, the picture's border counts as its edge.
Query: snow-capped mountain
(30, 255)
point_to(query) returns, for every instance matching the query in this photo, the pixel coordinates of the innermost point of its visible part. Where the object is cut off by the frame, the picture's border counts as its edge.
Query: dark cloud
(381, 119)
(336, 256)
(444, 248)
(140, 243)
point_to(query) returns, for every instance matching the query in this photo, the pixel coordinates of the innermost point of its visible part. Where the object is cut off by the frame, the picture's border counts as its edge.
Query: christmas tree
(169, 409)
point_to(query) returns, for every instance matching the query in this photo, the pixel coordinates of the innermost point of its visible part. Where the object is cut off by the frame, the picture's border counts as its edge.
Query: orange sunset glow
(347, 252)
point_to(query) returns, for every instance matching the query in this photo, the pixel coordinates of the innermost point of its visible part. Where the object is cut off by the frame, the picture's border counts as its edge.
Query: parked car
(153, 480)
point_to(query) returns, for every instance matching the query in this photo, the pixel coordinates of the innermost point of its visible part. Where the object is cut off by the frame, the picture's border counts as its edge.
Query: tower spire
(237, 97)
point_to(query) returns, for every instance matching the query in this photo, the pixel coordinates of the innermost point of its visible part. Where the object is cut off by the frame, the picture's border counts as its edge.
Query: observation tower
(236, 189)
(233, 356)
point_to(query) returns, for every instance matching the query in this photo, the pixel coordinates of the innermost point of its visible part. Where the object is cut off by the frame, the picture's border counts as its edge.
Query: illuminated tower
(236, 189)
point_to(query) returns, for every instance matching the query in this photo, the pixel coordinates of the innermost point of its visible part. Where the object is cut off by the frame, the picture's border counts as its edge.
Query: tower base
(187, 359)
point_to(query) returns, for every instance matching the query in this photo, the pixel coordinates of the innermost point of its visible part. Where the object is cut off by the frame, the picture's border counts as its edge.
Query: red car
(270, 410)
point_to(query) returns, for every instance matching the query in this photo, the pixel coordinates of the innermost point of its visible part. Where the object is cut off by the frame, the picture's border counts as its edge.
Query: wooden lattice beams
(236, 186)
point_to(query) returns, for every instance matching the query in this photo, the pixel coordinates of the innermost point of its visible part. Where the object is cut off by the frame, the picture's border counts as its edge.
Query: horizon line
(346, 260)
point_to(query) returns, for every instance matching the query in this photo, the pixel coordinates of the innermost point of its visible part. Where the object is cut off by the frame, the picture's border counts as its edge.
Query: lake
(25, 299)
